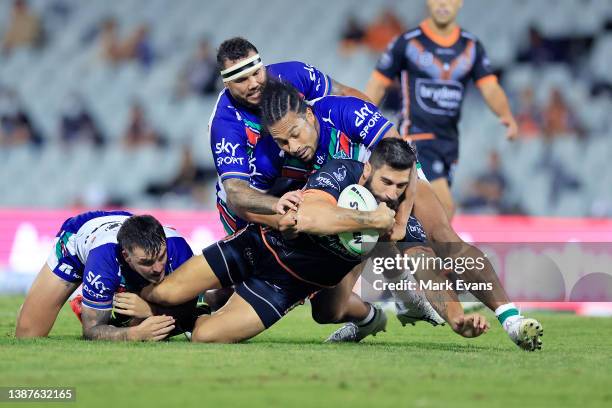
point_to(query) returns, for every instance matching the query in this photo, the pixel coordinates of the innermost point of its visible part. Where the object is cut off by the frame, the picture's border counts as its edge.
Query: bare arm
(377, 87)
(496, 99)
(257, 207)
(319, 216)
(343, 90)
(446, 302)
(244, 200)
(96, 327)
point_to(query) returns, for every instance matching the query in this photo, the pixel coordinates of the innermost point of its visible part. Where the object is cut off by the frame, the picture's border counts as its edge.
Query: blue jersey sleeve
(101, 277)
(179, 252)
(267, 164)
(361, 121)
(228, 141)
(308, 80)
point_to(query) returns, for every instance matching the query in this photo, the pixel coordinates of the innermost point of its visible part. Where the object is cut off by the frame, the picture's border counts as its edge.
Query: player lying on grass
(108, 252)
(333, 127)
(271, 274)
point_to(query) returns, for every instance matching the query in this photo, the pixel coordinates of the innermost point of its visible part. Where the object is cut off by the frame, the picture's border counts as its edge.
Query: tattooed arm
(318, 215)
(244, 199)
(96, 327)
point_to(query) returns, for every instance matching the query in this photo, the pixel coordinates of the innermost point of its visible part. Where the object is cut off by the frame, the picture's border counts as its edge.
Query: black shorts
(242, 260)
(438, 158)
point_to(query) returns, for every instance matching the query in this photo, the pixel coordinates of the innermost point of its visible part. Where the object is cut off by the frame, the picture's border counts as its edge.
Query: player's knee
(212, 336)
(328, 316)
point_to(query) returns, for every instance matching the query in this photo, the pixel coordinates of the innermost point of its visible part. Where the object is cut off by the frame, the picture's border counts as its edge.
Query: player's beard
(392, 204)
(252, 106)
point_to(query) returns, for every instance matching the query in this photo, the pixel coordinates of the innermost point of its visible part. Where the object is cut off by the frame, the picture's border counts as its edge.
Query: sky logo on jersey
(226, 147)
(229, 160)
(96, 282)
(362, 114)
(371, 123)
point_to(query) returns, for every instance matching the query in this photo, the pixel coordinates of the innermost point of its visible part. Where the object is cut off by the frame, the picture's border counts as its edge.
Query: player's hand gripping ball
(357, 197)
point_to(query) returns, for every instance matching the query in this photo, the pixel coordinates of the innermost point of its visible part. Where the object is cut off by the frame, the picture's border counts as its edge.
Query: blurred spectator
(385, 28)
(200, 75)
(77, 124)
(16, 127)
(352, 35)
(189, 181)
(24, 28)
(139, 132)
(137, 46)
(528, 117)
(562, 179)
(109, 41)
(140, 48)
(538, 51)
(488, 189)
(557, 116)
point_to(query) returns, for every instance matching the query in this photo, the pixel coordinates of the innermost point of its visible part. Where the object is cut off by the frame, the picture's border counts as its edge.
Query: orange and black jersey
(433, 72)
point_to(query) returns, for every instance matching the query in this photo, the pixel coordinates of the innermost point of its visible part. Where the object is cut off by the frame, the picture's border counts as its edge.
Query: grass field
(289, 367)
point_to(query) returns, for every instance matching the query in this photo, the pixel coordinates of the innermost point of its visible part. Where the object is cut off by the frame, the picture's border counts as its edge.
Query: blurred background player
(434, 63)
(107, 252)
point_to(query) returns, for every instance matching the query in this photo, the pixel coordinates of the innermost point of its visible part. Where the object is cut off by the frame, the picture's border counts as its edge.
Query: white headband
(242, 68)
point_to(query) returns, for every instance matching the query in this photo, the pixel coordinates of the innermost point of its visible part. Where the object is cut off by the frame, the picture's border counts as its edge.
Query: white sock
(368, 318)
(507, 314)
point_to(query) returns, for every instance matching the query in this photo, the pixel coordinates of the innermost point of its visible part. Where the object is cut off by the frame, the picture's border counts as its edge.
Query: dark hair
(395, 153)
(142, 231)
(233, 49)
(278, 99)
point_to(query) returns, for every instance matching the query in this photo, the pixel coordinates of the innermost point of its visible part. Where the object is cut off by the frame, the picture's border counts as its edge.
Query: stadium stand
(557, 175)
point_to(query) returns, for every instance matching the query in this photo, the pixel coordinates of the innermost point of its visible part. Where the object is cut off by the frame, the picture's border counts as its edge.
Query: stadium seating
(70, 62)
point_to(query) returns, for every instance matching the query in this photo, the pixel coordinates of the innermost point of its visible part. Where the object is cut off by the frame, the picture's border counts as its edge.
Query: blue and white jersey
(235, 130)
(86, 250)
(349, 128)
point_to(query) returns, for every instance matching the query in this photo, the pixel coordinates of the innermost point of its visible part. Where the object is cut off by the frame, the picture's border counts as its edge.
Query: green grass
(287, 366)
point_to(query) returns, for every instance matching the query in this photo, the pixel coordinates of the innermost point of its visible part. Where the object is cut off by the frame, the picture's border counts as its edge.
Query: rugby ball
(357, 197)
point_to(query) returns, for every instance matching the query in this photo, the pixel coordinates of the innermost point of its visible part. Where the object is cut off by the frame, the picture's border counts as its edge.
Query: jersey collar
(442, 41)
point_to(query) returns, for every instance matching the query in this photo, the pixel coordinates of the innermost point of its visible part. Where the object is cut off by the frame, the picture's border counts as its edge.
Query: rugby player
(434, 63)
(337, 127)
(107, 252)
(235, 127)
(341, 128)
(272, 274)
